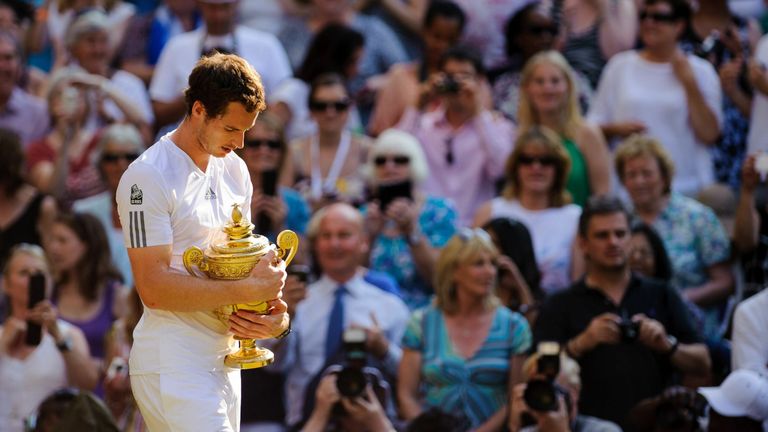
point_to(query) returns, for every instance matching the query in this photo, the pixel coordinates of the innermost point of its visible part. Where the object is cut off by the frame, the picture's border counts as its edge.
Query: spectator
(328, 164)
(463, 353)
(464, 143)
(334, 49)
(664, 93)
(694, 238)
(68, 409)
(757, 74)
(443, 25)
(219, 33)
(535, 195)
(340, 299)
(739, 403)
(21, 112)
(87, 288)
(404, 17)
(749, 346)
(26, 213)
(549, 98)
(747, 224)
(273, 208)
(647, 254)
(147, 35)
(628, 333)
(62, 163)
(28, 373)
(567, 385)
(406, 227)
(119, 145)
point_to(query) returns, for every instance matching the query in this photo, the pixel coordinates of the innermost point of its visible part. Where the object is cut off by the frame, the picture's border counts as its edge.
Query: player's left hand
(252, 325)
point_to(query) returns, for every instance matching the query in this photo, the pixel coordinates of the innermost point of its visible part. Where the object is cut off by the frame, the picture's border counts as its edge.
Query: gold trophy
(233, 259)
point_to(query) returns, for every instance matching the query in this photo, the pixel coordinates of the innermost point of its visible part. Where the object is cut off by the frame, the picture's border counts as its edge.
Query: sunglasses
(114, 157)
(271, 144)
(541, 30)
(541, 160)
(398, 160)
(658, 17)
(340, 105)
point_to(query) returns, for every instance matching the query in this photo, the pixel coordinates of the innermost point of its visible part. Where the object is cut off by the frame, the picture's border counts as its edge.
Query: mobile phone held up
(36, 295)
(386, 193)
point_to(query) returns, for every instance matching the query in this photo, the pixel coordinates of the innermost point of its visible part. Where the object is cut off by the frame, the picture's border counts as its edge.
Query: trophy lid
(240, 238)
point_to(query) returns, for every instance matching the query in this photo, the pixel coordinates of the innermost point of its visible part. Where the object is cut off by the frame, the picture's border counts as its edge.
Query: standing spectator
(219, 33)
(29, 373)
(464, 352)
(465, 144)
(664, 93)
(549, 98)
(757, 73)
(749, 346)
(404, 17)
(535, 195)
(408, 233)
(21, 112)
(694, 238)
(591, 320)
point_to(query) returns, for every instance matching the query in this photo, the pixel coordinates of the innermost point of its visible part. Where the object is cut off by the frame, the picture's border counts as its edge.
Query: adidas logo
(210, 195)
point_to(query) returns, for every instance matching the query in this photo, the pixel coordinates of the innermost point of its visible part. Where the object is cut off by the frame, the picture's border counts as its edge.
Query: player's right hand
(268, 277)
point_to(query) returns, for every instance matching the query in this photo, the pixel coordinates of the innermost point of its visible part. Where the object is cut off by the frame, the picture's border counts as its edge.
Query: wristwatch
(64, 345)
(285, 332)
(674, 343)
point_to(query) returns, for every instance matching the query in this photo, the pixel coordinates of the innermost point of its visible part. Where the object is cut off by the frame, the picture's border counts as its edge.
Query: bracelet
(285, 332)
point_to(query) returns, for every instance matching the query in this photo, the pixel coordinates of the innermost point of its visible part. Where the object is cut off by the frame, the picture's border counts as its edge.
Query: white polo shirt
(165, 199)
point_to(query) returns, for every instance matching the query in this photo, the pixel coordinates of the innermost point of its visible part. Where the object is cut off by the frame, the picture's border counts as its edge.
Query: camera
(542, 394)
(351, 380)
(448, 85)
(629, 330)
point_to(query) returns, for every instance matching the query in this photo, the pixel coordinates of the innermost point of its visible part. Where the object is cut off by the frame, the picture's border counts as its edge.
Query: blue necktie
(335, 323)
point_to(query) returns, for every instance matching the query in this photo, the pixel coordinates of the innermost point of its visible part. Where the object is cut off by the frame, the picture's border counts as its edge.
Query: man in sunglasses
(465, 144)
(177, 194)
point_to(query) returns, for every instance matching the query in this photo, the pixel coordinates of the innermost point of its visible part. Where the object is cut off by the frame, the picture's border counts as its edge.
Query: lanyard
(318, 186)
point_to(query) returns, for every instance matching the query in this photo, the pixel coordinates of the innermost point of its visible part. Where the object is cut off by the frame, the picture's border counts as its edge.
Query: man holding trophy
(176, 195)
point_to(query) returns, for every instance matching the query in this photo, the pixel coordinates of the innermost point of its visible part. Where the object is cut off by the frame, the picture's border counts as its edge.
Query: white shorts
(189, 401)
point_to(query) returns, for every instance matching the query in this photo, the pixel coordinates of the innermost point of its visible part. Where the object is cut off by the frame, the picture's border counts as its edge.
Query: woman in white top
(30, 373)
(535, 195)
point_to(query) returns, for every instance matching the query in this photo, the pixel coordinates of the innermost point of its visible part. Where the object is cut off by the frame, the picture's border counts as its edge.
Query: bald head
(336, 211)
(339, 241)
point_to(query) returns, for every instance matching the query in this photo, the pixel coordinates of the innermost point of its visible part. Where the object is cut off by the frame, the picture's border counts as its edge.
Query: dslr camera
(628, 329)
(352, 379)
(448, 85)
(542, 394)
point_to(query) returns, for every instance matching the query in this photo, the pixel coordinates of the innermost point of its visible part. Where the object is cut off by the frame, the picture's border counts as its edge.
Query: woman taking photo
(549, 98)
(28, 373)
(535, 195)
(464, 352)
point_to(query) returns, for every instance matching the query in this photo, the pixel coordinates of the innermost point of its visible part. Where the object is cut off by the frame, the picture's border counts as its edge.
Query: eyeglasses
(398, 160)
(658, 17)
(541, 160)
(271, 144)
(114, 157)
(541, 30)
(340, 105)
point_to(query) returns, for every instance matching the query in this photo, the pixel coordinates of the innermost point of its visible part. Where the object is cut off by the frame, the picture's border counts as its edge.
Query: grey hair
(90, 21)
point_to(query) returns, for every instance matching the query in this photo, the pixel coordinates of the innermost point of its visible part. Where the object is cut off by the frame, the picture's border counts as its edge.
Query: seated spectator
(339, 300)
(442, 28)
(463, 352)
(549, 98)
(465, 144)
(25, 214)
(72, 410)
(273, 208)
(117, 95)
(628, 333)
(334, 49)
(694, 238)
(119, 145)
(437, 420)
(567, 385)
(28, 373)
(21, 112)
(404, 17)
(327, 165)
(535, 195)
(749, 346)
(62, 162)
(677, 408)
(647, 254)
(660, 91)
(740, 403)
(406, 227)
(757, 74)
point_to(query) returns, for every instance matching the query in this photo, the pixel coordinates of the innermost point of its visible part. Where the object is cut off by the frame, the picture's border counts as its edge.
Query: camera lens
(351, 382)
(540, 395)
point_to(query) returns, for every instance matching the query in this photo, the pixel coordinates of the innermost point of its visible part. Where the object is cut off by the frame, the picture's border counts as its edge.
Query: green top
(578, 178)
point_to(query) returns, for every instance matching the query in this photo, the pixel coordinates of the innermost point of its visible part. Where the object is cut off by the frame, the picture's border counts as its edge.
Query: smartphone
(387, 193)
(269, 183)
(36, 295)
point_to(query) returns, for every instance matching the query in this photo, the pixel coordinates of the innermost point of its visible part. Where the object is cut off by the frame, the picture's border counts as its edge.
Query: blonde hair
(93, 20)
(570, 116)
(397, 142)
(546, 139)
(29, 249)
(465, 245)
(638, 145)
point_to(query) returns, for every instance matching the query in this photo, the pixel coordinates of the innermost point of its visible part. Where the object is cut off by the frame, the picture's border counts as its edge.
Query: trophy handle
(193, 256)
(287, 245)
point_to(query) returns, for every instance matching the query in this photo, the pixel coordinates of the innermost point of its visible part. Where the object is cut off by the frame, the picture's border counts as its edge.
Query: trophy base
(249, 358)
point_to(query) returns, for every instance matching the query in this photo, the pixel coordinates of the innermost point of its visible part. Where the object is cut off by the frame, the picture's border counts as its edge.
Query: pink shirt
(480, 148)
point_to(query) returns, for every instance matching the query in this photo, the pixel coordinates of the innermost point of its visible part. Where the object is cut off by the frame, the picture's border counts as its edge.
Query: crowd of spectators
(503, 205)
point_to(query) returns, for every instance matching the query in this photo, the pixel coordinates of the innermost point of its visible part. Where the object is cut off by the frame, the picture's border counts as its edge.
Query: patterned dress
(473, 388)
(392, 255)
